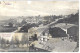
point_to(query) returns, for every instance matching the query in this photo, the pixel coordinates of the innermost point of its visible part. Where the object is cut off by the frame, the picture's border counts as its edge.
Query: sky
(34, 8)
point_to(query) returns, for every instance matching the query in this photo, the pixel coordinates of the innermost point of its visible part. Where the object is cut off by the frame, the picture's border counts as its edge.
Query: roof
(64, 26)
(57, 45)
(51, 44)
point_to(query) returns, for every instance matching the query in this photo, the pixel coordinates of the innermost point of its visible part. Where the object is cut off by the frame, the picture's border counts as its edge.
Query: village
(35, 34)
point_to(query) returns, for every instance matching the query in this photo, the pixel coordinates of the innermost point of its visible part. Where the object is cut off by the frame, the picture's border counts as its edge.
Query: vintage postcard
(39, 26)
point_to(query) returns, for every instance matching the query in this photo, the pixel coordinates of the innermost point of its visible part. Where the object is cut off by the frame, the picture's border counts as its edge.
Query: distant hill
(73, 19)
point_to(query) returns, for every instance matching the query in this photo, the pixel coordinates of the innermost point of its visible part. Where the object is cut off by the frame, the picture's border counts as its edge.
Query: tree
(25, 28)
(7, 42)
(23, 22)
(0, 41)
(3, 42)
(17, 42)
(10, 24)
(24, 40)
(72, 18)
(12, 41)
(35, 37)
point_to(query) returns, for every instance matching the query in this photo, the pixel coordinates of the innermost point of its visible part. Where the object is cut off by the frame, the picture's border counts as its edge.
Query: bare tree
(3, 42)
(24, 40)
(17, 42)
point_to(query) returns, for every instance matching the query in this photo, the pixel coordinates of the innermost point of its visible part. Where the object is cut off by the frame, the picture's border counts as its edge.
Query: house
(73, 33)
(51, 38)
(43, 38)
(57, 45)
(64, 26)
(70, 29)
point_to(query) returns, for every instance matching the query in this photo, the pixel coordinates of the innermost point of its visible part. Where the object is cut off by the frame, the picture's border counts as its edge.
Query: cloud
(21, 8)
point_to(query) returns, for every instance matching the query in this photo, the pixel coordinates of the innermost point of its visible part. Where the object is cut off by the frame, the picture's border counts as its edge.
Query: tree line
(14, 41)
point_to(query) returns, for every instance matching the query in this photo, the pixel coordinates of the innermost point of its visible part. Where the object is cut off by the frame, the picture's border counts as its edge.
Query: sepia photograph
(39, 26)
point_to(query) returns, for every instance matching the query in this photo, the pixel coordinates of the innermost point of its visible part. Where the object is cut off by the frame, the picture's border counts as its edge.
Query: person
(35, 37)
(32, 46)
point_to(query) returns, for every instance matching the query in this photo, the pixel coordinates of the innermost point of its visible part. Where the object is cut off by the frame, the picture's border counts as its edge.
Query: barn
(70, 29)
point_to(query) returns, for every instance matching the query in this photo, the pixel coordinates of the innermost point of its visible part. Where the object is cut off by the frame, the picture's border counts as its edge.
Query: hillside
(73, 19)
